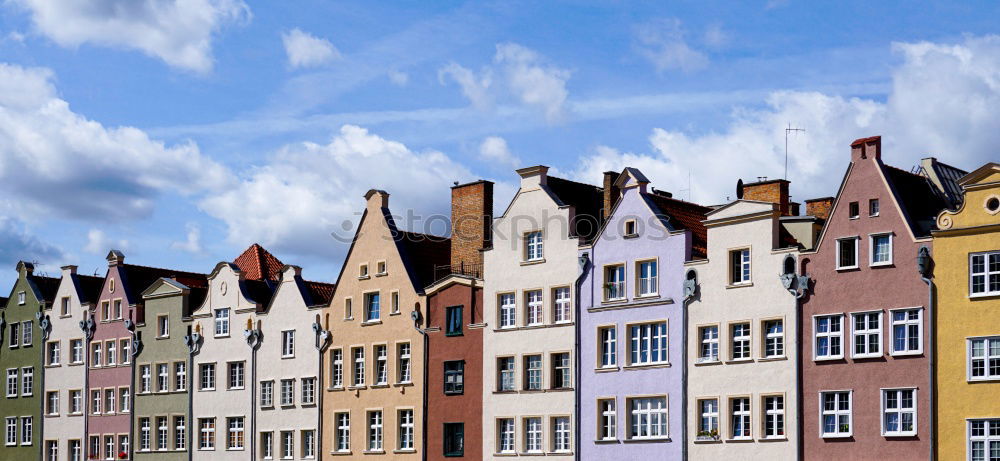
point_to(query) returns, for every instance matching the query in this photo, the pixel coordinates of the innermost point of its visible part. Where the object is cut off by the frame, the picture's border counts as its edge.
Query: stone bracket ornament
(88, 326)
(322, 335)
(254, 336)
(44, 324)
(193, 339)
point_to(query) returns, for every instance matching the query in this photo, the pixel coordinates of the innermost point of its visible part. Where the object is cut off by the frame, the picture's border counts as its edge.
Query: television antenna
(789, 130)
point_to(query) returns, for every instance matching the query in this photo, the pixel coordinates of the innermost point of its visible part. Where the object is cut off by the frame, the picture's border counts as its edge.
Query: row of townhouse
(583, 322)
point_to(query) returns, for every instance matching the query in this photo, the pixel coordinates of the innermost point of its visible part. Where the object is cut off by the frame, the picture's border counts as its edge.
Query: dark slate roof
(918, 198)
(587, 201)
(195, 299)
(46, 286)
(136, 279)
(3, 301)
(88, 287)
(421, 253)
(256, 263)
(949, 177)
(260, 291)
(684, 215)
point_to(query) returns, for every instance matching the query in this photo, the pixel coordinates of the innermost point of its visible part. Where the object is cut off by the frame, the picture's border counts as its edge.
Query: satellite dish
(739, 189)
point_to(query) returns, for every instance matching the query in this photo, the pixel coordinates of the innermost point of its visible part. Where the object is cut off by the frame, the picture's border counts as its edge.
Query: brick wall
(774, 191)
(819, 207)
(471, 217)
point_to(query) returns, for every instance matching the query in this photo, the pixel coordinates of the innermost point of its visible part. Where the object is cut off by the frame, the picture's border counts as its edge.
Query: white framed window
(75, 450)
(561, 371)
(64, 310)
(405, 432)
(648, 344)
(647, 272)
(125, 399)
(828, 337)
(740, 341)
(374, 431)
(533, 307)
(505, 435)
(234, 433)
(112, 352)
(380, 268)
(608, 419)
(267, 394)
(180, 376)
(348, 314)
(337, 368)
(145, 439)
(10, 431)
(899, 412)
(308, 391)
(907, 331)
(12, 375)
(15, 335)
(835, 414)
(109, 447)
(207, 376)
(508, 310)
(709, 350)
(614, 282)
(95, 402)
(110, 400)
(774, 338)
(609, 346)
(394, 302)
(27, 333)
(853, 210)
(287, 444)
(381, 365)
(563, 312)
(118, 308)
(533, 435)
(984, 274)
(561, 433)
(359, 366)
(162, 433)
(873, 207)
(880, 249)
(76, 401)
(363, 271)
(20, 298)
(847, 253)
(52, 403)
(288, 343)
(308, 444)
(708, 418)
(105, 311)
(866, 331)
(287, 392)
(739, 267)
(222, 322)
(984, 439)
(126, 348)
(162, 326)
(373, 307)
(180, 433)
(206, 434)
(533, 372)
(984, 359)
(27, 381)
(774, 416)
(533, 246)
(52, 353)
(343, 432)
(162, 377)
(405, 370)
(236, 374)
(76, 351)
(51, 450)
(505, 374)
(26, 429)
(647, 418)
(739, 415)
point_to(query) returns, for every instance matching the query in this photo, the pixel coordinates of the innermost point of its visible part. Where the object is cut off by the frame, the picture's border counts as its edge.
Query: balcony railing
(467, 269)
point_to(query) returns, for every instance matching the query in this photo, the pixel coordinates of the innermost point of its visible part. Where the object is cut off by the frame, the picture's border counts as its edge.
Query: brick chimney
(611, 193)
(774, 191)
(866, 148)
(471, 222)
(819, 207)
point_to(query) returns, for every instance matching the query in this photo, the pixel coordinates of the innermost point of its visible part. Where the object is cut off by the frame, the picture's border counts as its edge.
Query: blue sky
(183, 132)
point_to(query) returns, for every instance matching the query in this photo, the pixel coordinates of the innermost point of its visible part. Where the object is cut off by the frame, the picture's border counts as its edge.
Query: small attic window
(20, 298)
(380, 268)
(854, 210)
(630, 228)
(993, 205)
(363, 271)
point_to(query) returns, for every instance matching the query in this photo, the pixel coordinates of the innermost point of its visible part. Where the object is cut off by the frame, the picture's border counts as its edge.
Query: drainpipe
(193, 343)
(45, 325)
(584, 262)
(924, 263)
(415, 315)
(690, 290)
(134, 352)
(254, 336)
(798, 286)
(322, 342)
(87, 325)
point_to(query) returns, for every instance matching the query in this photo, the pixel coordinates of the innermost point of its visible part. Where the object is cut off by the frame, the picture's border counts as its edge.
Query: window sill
(403, 384)
(646, 366)
(407, 450)
(835, 436)
(740, 440)
(532, 262)
(848, 268)
(828, 359)
(900, 435)
(877, 265)
(341, 453)
(739, 285)
(648, 440)
(357, 388)
(647, 296)
(610, 369)
(335, 389)
(984, 379)
(364, 277)
(866, 356)
(380, 386)
(906, 353)
(371, 322)
(615, 301)
(510, 454)
(701, 363)
(606, 441)
(373, 452)
(747, 360)
(381, 274)
(773, 439)
(52, 365)
(531, 453)
(984, 295)
(773, 359)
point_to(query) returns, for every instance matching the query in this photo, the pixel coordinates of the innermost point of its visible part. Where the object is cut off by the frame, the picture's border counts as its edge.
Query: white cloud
(662, 42)
(99, 243)
(306, 50)
(179, 32)
(944, 101)
(495, 151)
(398, 78)
(308, 191)
(527, 78)
(474, 87)
(17, 244)
(193, 242)
(54, 161)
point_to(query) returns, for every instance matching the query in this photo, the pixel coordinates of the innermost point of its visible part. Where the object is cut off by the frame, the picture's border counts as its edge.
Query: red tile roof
(321, 293)
(256, 263)
(860, 141)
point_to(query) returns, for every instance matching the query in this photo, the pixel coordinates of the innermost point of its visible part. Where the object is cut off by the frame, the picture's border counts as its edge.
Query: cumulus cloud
(55, 161)
(179, 32)
(663, 43)
(944, 101)
(306, 50)
(18, 244)
(99, 243)
(525, 76)
(494, 150)
(192, 244)
(308, 191)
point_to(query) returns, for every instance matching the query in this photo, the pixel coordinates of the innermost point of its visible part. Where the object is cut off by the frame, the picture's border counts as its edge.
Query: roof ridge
(575, 182)
(163, 269)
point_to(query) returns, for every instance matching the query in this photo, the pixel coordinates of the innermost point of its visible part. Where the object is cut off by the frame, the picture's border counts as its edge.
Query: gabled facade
(288, 389)
(967, 281)
(162, 421)
(226, 360)
(24, 332)
(455, 331)
(866, 389)
(632, 326)
(373, 405)
(65, 401)
(742, 346)
(529, 343)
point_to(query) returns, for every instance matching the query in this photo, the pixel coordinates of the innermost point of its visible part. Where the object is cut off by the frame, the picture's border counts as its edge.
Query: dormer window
(854, 210)
(873, 207)
(630, 228)
(533, 246)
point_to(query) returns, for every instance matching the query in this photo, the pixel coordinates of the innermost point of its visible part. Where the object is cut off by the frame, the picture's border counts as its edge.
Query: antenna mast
(788, 130)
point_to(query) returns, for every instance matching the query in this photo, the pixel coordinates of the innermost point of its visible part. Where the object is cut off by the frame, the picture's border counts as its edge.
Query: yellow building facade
(967, 277)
